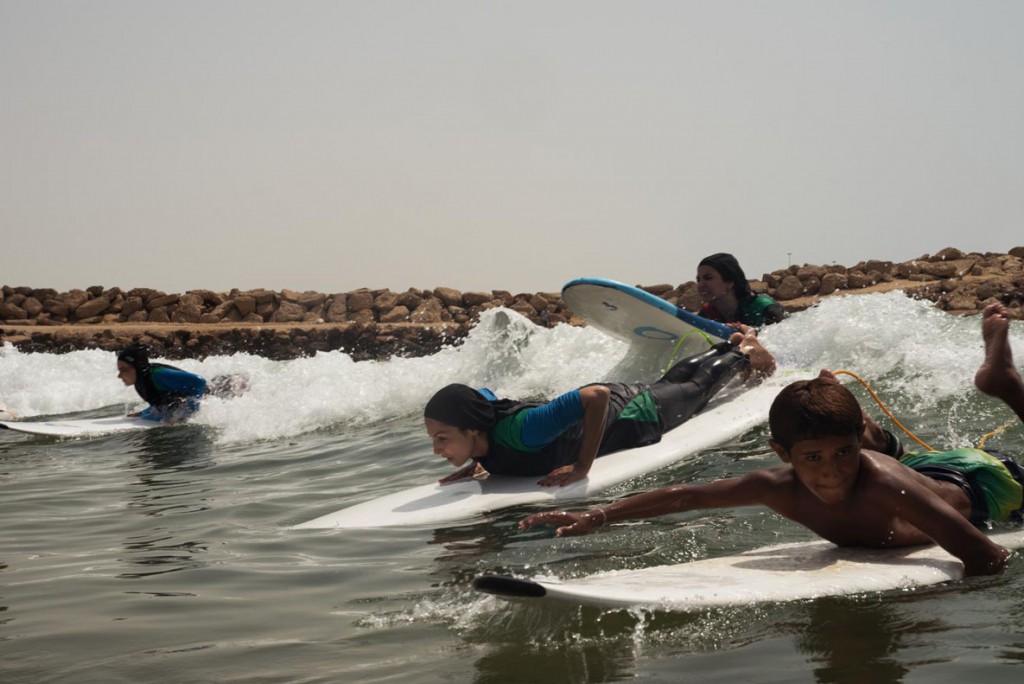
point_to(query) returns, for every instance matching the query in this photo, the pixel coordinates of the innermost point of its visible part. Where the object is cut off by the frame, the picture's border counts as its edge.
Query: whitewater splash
(919, 356)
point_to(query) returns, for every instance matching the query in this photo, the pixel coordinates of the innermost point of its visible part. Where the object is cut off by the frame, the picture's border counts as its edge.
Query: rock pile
(379, 323)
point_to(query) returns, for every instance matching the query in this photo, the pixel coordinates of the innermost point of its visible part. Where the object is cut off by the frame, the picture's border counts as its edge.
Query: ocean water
(166, 555)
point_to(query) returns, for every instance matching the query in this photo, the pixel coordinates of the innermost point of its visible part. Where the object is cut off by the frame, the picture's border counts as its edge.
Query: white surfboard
(86, 427)
(731, 414)
(648, 323)
(785, 572)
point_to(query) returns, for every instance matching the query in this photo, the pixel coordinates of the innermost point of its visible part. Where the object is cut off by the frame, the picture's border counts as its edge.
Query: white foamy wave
(899, 345)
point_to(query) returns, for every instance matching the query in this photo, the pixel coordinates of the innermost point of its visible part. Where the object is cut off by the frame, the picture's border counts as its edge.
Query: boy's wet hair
(814, 409)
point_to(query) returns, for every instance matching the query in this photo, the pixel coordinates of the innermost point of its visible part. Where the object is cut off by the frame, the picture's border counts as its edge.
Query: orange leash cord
(883, 407)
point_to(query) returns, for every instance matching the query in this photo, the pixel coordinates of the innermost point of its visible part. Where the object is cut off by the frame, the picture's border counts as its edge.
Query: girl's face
(126, 372)
(710, 284)
(453, 444)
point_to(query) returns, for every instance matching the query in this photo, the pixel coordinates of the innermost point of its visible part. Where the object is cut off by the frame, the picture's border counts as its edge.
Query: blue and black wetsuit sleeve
(176, 381)
(543, 424)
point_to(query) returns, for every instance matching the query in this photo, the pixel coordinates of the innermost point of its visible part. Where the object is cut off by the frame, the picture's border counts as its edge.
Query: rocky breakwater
(957, 282)
(376, 324)
(367, 324)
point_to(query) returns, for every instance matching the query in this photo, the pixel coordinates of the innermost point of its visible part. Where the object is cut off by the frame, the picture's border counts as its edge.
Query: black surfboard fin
(503, 585)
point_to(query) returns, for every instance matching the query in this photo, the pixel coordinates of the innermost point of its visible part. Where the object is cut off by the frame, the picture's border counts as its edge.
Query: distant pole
(789, 258)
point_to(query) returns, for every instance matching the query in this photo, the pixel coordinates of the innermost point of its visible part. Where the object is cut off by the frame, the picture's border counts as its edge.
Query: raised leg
(997, 376)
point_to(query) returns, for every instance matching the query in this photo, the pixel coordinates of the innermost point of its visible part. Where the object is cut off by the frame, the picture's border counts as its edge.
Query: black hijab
(461, 406)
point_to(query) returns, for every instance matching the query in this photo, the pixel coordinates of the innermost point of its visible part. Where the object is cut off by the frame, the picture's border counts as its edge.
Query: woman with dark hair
(478, 433)
(727, 295)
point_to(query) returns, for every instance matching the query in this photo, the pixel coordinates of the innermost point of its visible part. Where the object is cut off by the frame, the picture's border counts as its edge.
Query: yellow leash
(999, 430)
(883, 407)
(981, 442)
(675, 349)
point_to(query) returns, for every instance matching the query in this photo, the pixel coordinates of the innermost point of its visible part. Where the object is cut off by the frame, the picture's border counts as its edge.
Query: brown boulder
(429, 311)
(809, 271)
(74, 299)
(132, 304)
(32, 306)
(448, 296)
(689, 297)
(359, 300)
(812, 284)
(874, 265)
(93, 307)
(789, 288)
(832, 282)
(385, 301)
(658, 290)
(56, 308)
(939, 269)
(504, 295)
(288, 312)
(337, 311)
(856, 280)
(476, 298)
(160, 299)
(524, 308)
(947, 254)
(396, 314)
(12, 312)
(410, 300)
(362, 316)
(260, 296)
(246, 304)
(187, 313)
(159, 315)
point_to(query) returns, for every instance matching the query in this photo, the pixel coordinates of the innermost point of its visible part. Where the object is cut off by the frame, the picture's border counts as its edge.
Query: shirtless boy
(836, 482)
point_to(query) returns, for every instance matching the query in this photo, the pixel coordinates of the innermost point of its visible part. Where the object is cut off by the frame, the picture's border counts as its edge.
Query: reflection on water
(858, 642)
(167, 484)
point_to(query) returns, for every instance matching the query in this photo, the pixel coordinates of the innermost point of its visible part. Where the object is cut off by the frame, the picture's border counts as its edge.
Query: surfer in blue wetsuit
(727, 296)
(172, 394)
(837, 481)
(477, 432)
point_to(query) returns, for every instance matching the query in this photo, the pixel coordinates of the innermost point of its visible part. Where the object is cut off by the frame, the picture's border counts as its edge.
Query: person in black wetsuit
(560, 439)
(172, 394)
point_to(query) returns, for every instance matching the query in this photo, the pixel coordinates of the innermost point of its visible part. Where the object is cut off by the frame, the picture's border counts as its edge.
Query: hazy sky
(330, 145)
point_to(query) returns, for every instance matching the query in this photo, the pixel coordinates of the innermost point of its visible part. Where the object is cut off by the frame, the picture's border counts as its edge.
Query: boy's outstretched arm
(926, 511)
(748, 490)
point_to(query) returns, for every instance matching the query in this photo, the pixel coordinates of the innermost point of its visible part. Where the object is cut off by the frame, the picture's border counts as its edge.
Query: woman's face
(126, 372)
(453, 444)
(710, 284)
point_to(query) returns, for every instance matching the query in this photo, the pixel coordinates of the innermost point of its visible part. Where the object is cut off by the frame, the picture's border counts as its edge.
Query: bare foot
(997, 375)
(762, 363)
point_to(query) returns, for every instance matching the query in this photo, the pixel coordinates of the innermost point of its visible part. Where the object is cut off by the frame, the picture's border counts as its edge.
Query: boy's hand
(567, 524)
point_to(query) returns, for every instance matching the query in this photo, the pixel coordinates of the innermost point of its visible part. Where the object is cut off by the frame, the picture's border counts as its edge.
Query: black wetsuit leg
(684, 370)
(678, 400)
